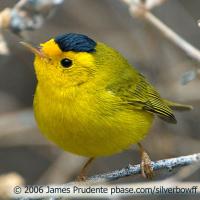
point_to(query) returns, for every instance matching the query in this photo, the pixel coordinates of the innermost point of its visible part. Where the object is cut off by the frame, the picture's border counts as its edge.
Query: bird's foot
(82, 174)
(146, 167)
(80, 178)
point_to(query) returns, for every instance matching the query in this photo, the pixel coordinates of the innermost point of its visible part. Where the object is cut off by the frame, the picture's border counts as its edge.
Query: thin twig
(188, 48)
(141, 10)
(168, 164)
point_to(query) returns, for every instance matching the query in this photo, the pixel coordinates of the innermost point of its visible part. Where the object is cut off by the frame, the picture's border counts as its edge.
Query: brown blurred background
(24, 151)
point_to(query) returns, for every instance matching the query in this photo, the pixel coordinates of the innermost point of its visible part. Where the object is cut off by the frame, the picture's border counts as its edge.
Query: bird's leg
(82, 174)
(146, 168)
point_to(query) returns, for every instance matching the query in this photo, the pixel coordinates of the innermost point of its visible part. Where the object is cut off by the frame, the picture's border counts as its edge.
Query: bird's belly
(89, 134)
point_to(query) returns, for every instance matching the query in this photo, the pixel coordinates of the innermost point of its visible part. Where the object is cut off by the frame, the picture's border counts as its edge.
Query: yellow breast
(90, 124)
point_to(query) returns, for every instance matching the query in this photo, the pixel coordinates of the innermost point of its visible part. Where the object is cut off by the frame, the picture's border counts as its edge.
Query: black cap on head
(75, 42)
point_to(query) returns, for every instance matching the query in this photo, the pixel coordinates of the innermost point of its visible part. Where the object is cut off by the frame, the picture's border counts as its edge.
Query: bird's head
(72, 60)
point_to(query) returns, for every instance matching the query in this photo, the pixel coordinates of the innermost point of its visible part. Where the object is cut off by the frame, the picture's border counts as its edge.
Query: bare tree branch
(188, 48)
(168, 164)
(139, 9)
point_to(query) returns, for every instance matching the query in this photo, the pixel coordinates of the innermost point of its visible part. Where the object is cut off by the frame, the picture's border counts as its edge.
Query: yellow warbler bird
(90, 101)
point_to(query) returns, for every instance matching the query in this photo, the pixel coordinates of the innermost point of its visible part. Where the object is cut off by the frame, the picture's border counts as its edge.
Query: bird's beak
(33, 49)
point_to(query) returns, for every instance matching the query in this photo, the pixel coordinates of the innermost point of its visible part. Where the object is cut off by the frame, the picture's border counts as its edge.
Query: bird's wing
(141, 95)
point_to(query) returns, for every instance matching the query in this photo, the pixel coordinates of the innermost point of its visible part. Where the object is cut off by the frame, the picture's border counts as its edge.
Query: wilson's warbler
(90, 101)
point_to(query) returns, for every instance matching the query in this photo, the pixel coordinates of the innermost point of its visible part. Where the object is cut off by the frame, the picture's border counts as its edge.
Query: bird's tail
(178, 106)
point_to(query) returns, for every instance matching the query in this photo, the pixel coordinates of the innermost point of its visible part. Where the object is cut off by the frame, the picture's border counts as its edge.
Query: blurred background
(27, 157)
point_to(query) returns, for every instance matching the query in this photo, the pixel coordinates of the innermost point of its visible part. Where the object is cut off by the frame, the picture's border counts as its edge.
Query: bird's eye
(65, 62)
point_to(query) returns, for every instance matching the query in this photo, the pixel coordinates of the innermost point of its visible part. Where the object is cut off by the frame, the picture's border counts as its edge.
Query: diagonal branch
(141, 9)
(168, 164)
(188, 48)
